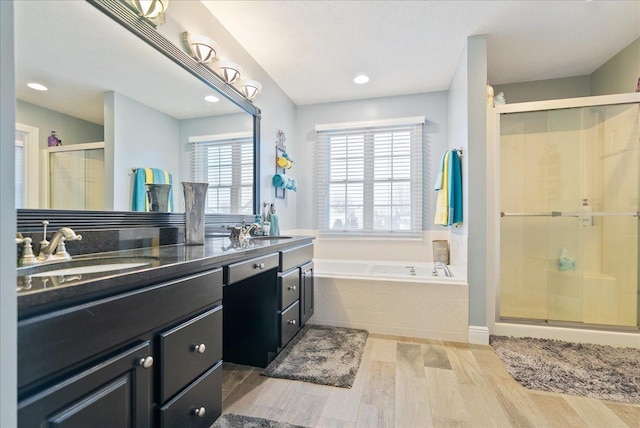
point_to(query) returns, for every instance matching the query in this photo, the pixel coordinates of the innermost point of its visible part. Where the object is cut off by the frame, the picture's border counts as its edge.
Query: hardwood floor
(418, 383)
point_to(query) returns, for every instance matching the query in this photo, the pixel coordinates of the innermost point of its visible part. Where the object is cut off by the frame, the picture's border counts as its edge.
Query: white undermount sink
(79, 270)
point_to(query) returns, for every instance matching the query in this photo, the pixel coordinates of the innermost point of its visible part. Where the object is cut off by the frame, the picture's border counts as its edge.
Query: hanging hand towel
(275, 225)
(139, 201)
(439, 177)
(442, 204)
(455, 189)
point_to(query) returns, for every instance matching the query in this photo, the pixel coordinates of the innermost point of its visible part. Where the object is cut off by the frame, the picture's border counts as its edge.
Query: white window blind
(369, 179)
(226, 163)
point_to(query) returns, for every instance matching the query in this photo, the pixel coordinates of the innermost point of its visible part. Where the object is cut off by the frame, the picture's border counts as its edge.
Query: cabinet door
(306, 293)
(115, 392)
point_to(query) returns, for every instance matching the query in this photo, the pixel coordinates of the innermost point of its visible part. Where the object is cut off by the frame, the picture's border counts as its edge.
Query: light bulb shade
(201, 48)
(229, 71)
(250, 88)
(150, 8)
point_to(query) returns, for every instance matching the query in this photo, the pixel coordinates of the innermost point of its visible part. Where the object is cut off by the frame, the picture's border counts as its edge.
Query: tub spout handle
(412, 270)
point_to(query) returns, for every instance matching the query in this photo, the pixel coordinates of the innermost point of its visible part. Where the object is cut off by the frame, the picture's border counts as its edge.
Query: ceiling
(314, 49)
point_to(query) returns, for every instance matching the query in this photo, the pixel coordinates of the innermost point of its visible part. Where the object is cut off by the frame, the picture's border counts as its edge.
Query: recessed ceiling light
(37, 86)
(212, 99)
(361, 79)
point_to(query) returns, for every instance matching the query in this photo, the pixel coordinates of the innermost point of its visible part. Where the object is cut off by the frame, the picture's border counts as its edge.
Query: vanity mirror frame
(119, 11)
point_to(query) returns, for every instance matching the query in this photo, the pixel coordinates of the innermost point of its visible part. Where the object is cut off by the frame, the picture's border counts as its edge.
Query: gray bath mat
(596, 371)
(319, 354)
(231, 420)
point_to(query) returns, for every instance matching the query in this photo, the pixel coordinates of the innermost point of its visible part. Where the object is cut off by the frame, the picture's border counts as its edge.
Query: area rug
(231, 420)
(596, 371)
(320, 354)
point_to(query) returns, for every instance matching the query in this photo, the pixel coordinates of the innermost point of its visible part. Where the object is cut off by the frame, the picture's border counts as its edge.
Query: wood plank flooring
(418, 383)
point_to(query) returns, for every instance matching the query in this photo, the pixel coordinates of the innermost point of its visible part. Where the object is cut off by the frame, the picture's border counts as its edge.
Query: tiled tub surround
(365, 295)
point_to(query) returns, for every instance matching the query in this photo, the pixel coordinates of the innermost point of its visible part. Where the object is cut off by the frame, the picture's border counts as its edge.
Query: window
(369, 178)
(225, 161)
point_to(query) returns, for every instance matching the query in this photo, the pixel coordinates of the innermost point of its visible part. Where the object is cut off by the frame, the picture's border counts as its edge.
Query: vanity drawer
(289, 284)
(238, 271)
(289, 323)
(188, 350)
(199, 405)
(49, 343)
(295, 256)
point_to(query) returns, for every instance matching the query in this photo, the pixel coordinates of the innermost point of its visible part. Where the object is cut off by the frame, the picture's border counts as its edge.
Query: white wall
(468, 129)
(620, 74)
(70, 130)
(8, 303)
(551, 89)
(129, 145)
(278, 109)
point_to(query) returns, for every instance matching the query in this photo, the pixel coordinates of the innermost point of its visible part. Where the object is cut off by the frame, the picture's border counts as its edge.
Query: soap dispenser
(586, 219)
(565, 263)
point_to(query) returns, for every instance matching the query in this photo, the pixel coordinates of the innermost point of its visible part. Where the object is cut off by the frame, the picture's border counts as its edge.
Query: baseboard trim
(478, 335)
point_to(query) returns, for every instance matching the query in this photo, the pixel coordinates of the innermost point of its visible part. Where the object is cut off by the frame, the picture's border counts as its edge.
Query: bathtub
(384, 298)
(386, 271)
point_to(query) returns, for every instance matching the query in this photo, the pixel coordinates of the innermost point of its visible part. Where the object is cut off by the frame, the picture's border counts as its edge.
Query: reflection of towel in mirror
(285, 182)
(139, 200)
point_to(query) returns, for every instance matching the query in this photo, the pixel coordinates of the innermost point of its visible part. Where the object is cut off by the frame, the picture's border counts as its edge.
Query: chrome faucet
(444, 267)
(57, 245)
(245, 232)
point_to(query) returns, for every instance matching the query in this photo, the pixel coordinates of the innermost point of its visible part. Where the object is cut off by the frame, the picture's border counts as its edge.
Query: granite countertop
(41, 292)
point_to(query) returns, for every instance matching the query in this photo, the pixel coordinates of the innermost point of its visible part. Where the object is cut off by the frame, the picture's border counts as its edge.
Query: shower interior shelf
(572, 214)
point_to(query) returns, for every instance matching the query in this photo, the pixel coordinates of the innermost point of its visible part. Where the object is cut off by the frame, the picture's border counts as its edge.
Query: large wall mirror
(117, 104)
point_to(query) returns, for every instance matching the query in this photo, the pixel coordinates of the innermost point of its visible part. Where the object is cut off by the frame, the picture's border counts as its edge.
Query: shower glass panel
(569, 189)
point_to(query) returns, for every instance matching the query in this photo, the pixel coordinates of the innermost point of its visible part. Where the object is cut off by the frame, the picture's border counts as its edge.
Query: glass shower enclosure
(568, 197)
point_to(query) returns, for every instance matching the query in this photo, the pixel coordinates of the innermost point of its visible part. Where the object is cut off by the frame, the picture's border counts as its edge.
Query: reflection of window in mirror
(27, 169)
(225, 161)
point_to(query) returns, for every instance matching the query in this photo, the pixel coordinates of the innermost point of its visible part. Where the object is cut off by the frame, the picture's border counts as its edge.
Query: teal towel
(275, 225)
(285, 182)
(455, 189)
(143, 176)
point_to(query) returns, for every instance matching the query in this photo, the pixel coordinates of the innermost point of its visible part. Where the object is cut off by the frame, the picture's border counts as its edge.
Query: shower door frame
(615, 336)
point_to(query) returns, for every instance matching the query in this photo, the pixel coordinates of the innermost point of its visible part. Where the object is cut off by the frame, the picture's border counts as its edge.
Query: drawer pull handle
(146, 362)
(292, 322)
(292, 287)
(259, 266)
(199, 348)
(200, 411)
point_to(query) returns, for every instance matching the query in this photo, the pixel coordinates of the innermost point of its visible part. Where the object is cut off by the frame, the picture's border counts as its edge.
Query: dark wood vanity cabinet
(306, 292)
(264, 300)
(149, 357)
(116, 392)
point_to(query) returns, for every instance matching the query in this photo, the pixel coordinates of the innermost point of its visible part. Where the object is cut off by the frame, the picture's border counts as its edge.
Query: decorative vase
(195, 196)
(158, 195)
(441, 251)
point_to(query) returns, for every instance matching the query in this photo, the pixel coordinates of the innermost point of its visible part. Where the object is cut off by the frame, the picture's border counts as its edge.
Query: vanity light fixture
(211, 99)
(150, 9)
(229, 71)
(201, 48)
(250, 88)
(361, 79)
(37, 86)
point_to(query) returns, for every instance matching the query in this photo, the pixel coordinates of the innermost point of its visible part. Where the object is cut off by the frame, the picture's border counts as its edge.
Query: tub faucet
(57, 245)
(444, 267)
